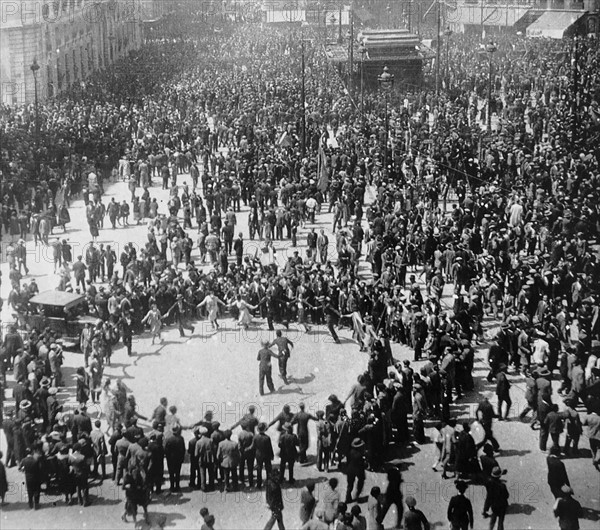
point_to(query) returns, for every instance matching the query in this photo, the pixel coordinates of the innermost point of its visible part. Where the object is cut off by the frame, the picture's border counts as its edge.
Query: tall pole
(387, 135)
(446, 62)
(340, 25)
(386, 82)
(409, 16)
(575, 97)
(362, 81)
(489, 105)
(482, 19)
(34, 70)
(351, 53)
(437, 51)
(303, 97)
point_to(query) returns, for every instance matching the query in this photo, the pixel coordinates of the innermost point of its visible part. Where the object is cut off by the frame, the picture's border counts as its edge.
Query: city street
(218, 371)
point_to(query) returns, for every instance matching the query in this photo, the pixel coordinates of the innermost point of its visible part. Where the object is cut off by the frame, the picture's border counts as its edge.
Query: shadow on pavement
(525, 509)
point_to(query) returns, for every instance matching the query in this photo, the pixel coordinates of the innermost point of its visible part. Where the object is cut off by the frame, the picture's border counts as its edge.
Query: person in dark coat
(263, 453)
(265, 368)
(274, 502)
(288, 443)
(496, 499)
(193, 459)
(554, 425)
(460, 509)
(485, 415)
(557, 472)
(393, 495)
(136, 494)
(503, 391)
(567, 510)
(301, 418)
(466, 453)
(488, 462)
(355, 469)
(32, 466)
(247, 454)
(175, 455)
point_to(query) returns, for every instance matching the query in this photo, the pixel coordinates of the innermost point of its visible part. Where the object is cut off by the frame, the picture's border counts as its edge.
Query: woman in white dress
(211, 302)
(107, 408)
(244, 318)
(154, 319)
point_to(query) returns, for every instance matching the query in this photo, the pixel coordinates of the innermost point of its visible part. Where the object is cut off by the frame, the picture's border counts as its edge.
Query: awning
(472, 14)
(553, 24)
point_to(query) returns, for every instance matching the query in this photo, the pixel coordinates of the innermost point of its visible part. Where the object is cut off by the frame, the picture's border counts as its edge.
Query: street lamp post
(386, 82)
(332, 19)
(447, 34)
(490, 48)
(438, 49)
(363, 51)
(34, 69)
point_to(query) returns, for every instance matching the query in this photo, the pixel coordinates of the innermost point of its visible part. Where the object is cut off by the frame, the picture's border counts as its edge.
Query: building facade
(68, 39)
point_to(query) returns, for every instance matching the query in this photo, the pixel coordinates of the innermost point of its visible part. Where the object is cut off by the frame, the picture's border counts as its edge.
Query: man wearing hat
(557, 472)
(496, 499)
(191, 449)
(355, 469)
(206, 461)
(567, 510)
(175, 455)
(263, 453)
(460, 509)
(288, 452)
(41, 399)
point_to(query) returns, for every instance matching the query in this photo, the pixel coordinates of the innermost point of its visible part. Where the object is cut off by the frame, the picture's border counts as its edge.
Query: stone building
(66, 39)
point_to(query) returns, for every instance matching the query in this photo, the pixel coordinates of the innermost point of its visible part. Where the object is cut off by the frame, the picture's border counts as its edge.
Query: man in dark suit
(557, 472)
(355, 470)
(238, 247)
(194, 459)
(301, 418)
(81, 423)
(228, 455)
(275, 503)
(175, 454)
(31, 465)
(288, 443)
(247, 454)
(265, 368)
(263, 453)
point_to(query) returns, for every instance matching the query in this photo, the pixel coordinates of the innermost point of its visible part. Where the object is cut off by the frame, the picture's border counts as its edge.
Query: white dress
(245, 318)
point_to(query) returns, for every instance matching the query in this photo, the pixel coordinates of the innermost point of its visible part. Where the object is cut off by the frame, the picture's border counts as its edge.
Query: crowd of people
(518, 246)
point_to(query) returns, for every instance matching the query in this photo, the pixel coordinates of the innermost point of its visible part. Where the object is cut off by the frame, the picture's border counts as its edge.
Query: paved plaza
(218, 371)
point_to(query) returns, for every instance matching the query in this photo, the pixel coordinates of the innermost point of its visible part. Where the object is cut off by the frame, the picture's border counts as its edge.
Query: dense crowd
(518, 246)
